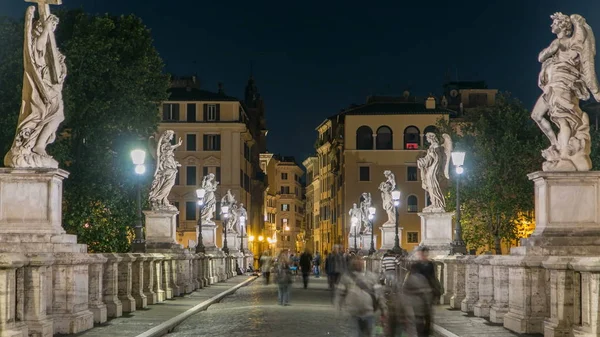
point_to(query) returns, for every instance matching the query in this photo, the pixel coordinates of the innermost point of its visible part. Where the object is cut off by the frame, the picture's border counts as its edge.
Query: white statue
(436, 161)
(567, 76)
(165, 173)
(209, 184)
(386, 189)
(229, 200)
(234, 225)
(356, 212)
(42, 108)
(364, 208)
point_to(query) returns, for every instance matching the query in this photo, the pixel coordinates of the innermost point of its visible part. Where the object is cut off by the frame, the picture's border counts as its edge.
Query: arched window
(364, 138)
(412, 204)
(428, 129)
(384, 138)
(412, 138)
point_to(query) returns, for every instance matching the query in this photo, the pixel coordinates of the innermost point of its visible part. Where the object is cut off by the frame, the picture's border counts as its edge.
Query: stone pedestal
(233, 244)
(11, 274)
(485, 280)
(388, 236)
(459, 282)
(96, 279)
(563, 285)
(448, 278)
(471, 284)
(209, 236)
(161, 226)
(354, 242)
(365, 242)
(436, 232)
(500, 305)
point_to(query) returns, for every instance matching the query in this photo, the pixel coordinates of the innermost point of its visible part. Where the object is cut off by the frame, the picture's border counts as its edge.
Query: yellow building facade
(217, 137)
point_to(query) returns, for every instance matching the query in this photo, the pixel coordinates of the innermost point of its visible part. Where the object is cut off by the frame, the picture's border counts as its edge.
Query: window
(427, 199)
(478, 99)
(170, 112)
(190, 175)
(174, 139)
(212, 112)
(411, 138)
(177, 176)
(190, 210)
(411, 173)
(212, 142)
(412, 237)
(285, 207)
(191, 112)
(412, 204)
(218, 173)
(205, 171)
(284, 176)
(285, 190)
(190, 142)
(364, 173)
(364, 138)
(384, 138)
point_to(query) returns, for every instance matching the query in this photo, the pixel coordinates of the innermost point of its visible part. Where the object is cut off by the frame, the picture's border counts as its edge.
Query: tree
(115, 81)
(502, 146)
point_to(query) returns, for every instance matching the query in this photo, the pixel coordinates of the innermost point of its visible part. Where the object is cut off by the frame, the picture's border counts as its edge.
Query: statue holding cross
(42, 108)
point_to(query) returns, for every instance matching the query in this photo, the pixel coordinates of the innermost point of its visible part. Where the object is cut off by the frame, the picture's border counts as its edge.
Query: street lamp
(458, 246)
(200, 245)
(396, 199)
(371, 217)
(355, 226)
(242, 225)
(225, 212)
(139, 244)
(285, 228)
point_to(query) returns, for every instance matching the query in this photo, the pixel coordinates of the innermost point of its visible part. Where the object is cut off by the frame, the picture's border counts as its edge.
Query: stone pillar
(197, 272)
(500, 305)
(12, 296)
(159, 275)
(448, 279)
(561, 297)
(161, 228)
(96, 275)
(471, 284)
(110, 283)
(149, 279)
(137, 281)
(436, 232)
(459, 282)
(527, 299)
(34, 290)
(125, 282)
(485, 294)
(212, 278)
(588, 324)
(175, 276)
(388, 236)
(167, 276)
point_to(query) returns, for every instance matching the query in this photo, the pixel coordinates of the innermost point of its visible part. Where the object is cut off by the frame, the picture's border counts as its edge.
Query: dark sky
(314, 58)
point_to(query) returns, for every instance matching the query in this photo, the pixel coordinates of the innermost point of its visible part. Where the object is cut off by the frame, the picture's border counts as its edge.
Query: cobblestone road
(253, 311)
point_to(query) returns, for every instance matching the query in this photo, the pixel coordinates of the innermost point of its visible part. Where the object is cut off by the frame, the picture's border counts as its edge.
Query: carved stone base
(436, 232)
(388, 237)
(209, 236)
(161, 226)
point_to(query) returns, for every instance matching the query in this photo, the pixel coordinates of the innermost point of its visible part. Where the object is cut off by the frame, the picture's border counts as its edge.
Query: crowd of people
(396, 302)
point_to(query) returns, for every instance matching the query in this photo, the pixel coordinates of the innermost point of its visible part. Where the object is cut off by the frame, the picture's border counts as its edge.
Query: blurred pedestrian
(317, 264)
(361, 296)
(283, 278)
(426, 270)
(265, 266)
(389, 265)
(305, 264)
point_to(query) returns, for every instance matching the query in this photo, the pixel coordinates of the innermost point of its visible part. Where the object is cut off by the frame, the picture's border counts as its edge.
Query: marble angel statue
(165, 173)
(356, 212)
(229, 200)
(386, 189)
(42, 108)
(435, 162)
(364, 208)
(209, 184)
(567, 76)
(237, 212)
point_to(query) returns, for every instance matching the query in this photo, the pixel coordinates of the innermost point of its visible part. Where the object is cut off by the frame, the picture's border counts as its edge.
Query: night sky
(312, 59)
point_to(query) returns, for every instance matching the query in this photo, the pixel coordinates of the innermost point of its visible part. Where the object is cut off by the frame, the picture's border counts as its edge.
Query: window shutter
(218, 173)
(218, 143)
(204, 171)
(205, 112)
(176, 111)
(218, 112)
(165, 109)
(205, 137)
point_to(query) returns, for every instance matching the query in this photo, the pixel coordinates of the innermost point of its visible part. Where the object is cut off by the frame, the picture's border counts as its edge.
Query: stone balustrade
(36, 296)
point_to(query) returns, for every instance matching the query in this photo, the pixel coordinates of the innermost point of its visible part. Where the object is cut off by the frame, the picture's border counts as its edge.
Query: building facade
(220, 135)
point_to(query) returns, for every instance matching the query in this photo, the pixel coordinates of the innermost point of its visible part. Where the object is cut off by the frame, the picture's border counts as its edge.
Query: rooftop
(196, 94)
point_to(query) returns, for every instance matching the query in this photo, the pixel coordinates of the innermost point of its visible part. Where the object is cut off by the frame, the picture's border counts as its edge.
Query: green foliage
(502, 146)
(115, 81)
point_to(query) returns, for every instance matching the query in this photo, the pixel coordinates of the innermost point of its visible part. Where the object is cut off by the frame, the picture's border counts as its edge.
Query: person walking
(361, 295)
(283, 278)
(426, 270)
(389, 264)
(265, 266)
(305, 264)
(317, 265)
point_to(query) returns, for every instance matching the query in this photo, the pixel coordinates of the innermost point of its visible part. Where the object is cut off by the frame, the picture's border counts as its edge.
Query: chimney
(430, 102)
(221, 90)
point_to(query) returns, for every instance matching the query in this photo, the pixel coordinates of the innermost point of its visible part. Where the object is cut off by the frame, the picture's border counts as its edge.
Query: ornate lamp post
(225, 213)
(458, 246)
(242, 225)
(200, 245)
(396, 199)
(371, 217)
(283, 230)
(355, 226)
(139, 244)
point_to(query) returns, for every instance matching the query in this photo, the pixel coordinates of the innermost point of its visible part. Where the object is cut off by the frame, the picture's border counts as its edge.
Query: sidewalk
(140, 321)
(452, 323)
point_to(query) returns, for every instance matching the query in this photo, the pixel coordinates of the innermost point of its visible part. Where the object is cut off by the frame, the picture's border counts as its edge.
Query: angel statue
(229, 200)
(386, 189)
(356, 212)
(209, 184)
(364, 208)
(165, 173)
(42, 108)
(233, 225)
(567, 76)
(436, 159)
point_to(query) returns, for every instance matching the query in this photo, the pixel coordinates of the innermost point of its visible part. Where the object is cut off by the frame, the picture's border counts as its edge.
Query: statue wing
(152, 146)
(583, 31)
(29, 56)
(448, 147)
